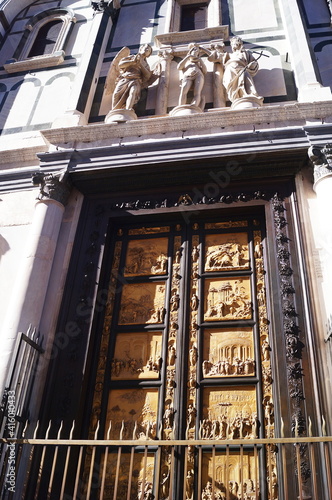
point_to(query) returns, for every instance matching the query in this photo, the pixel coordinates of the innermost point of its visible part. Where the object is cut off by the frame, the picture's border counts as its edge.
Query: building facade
(166, 276)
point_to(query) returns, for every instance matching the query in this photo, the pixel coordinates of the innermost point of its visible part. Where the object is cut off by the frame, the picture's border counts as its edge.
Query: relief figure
(228, 301)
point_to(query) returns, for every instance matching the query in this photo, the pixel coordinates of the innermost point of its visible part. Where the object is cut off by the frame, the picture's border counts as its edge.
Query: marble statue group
(233, 74)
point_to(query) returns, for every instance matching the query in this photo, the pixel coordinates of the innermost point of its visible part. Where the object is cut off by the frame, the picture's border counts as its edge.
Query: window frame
(213, 13)
(23, 62)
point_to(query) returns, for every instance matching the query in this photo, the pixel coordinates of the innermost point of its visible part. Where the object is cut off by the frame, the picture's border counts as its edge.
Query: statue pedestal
(250, 101)
(120, 116)
(185, 110)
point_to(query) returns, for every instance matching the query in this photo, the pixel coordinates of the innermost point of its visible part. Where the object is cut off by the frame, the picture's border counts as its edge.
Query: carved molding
(184, 37)
(293, 344)
(299, 113)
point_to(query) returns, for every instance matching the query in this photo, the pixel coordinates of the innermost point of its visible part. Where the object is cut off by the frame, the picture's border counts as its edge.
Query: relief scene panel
(228, 353)
(133, 413)
(137, 355)
(226, 252)
(140, 484)
(142, 303)
(234, 476)
(146, 257)
(227, 299)
(229, 413)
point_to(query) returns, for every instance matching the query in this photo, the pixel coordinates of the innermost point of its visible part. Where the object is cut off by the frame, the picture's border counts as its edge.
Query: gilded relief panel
(133, 413)
(142, 303)
(228, 353)
(140, 484)
(227, 298)
(146, 257)
(137, 355)
(229, 413)
(232, 476)
(224, 252)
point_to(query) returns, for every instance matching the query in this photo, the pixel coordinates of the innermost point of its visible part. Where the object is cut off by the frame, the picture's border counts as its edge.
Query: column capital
(110, 7)
(55, 186)
(321, 159)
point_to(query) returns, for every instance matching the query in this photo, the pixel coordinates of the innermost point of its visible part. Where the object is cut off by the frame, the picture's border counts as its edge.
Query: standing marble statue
(127, 76)
(193, 72)
(238, 76)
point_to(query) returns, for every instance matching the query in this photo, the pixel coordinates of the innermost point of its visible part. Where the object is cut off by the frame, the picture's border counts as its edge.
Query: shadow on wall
(4, 246)
(276, 82)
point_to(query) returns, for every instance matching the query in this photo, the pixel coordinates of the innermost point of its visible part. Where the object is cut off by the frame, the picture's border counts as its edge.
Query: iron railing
(285, 468)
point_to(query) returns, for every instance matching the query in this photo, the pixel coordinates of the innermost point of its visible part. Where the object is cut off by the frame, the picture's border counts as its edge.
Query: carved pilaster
(321, 159)
(55, 186)
(293, 344)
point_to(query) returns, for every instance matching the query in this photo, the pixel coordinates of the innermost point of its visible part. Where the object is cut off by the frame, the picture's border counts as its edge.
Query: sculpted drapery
(239, 70)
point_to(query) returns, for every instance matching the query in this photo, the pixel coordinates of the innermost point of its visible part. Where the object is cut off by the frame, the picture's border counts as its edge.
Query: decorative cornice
(295, 114)
(185, 37)
(54, 186)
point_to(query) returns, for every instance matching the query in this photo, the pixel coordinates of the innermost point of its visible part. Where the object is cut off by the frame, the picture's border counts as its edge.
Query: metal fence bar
(131, 466)
(328, 467)
(200, 468)
(299, 475)
(51, 462)
(164, 442)
(42, 459)
(65, 470)
(145, 459)
(213, 470)
(256, 472)
(55, 458)
(102, 486)
(92, 461)
(77, 478)
(227, 472)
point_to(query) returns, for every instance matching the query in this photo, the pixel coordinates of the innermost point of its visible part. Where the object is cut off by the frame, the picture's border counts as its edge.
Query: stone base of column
(120, 116)
(250, 101)
(185, 110)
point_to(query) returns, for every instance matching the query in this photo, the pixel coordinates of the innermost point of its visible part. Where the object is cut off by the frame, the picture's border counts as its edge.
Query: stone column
(309, 88)
(165, 56)
(29, 290)
(321, 158)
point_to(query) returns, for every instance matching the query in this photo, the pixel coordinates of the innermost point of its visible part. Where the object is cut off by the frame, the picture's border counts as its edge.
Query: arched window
(46, 39)
(43, 41)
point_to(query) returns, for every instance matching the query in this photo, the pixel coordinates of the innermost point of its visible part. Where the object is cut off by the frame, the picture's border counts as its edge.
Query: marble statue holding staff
(238, 76)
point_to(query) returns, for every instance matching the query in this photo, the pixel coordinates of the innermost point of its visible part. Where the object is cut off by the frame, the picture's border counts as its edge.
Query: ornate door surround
(185, 350)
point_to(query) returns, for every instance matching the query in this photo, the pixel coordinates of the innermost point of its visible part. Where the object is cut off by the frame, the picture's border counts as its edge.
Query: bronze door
(185, 354)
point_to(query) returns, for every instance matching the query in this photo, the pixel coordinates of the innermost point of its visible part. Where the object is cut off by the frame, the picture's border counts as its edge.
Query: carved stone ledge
(185, 37)
(37, 62)
(217, 119)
